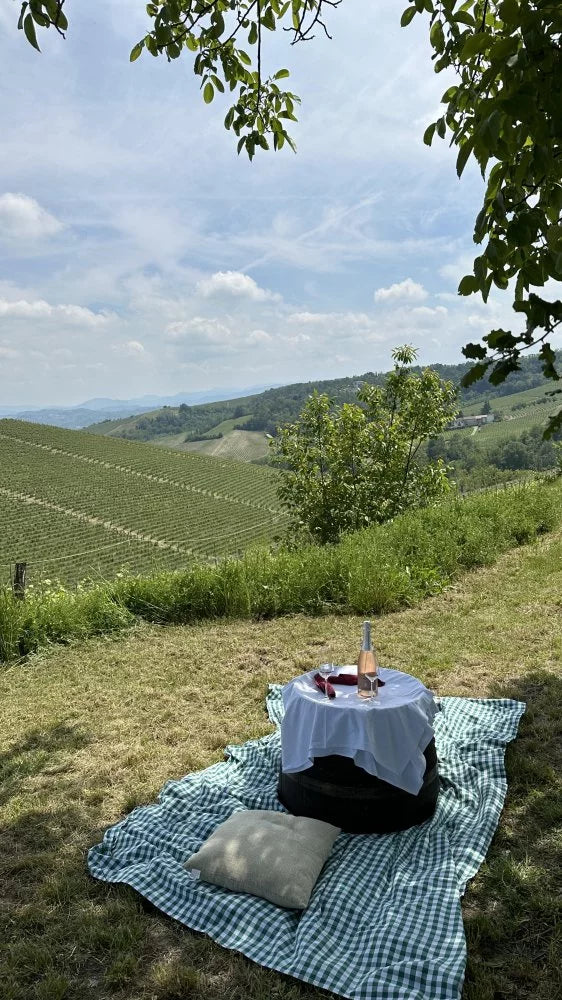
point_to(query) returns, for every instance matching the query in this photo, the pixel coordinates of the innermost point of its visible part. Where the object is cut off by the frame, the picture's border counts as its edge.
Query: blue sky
(139, 254)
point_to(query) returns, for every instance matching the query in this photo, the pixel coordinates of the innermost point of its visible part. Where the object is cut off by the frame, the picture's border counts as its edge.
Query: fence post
(18, 585)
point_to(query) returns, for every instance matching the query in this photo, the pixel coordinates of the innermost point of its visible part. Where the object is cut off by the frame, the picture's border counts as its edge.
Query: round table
(365, 764)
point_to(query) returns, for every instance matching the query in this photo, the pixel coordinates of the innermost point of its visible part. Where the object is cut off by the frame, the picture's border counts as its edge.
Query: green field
(76, 505)
(241, 445)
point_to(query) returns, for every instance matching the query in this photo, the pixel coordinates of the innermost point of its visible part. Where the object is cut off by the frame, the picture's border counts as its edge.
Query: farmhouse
(476, 421)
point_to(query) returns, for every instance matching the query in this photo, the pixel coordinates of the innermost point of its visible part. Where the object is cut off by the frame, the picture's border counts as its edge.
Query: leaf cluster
(44, 14)
(505, 113)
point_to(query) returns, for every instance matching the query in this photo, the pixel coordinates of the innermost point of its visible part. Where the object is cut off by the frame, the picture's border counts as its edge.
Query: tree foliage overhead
(346, 467)
(504, 111)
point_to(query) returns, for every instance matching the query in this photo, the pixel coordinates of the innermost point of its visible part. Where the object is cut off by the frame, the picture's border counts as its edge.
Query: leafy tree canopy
(504, 111)
(346, 467)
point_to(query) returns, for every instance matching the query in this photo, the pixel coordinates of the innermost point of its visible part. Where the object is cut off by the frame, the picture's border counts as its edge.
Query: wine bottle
(367, 666)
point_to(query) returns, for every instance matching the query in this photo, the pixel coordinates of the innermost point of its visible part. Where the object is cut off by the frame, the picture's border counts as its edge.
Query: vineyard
(519, 412)
(74, 505)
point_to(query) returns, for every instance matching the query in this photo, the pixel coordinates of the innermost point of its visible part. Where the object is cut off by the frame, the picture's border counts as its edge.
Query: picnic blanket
(384, 921)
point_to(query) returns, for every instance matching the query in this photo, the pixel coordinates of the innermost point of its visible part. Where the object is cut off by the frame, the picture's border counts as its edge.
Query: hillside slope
(74, 504)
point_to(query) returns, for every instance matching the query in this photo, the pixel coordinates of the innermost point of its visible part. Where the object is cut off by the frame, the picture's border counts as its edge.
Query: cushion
(266, 853)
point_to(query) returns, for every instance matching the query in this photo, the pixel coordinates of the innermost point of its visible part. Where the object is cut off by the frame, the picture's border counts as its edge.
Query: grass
(379, 569)
(243, 446)
(94, 729)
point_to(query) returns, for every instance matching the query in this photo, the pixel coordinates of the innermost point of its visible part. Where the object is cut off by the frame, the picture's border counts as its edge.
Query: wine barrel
(335, 790)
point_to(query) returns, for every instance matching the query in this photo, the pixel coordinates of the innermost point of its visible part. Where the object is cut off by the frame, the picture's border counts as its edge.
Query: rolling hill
(245, 422)
(76, 505)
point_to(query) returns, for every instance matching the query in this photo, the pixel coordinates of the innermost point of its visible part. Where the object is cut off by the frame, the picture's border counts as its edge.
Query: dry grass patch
(91, 730)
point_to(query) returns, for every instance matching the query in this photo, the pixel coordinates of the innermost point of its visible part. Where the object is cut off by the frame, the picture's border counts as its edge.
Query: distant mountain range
(93, 411)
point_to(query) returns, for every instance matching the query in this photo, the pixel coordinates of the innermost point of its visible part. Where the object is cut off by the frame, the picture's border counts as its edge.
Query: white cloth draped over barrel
(386, 735)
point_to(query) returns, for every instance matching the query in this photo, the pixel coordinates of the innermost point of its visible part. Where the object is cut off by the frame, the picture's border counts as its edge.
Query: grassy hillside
(94, 729)
(73, 504)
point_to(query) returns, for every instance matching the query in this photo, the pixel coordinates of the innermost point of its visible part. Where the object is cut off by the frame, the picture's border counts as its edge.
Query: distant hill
(76, 505)
(94, 411)
(245, 421)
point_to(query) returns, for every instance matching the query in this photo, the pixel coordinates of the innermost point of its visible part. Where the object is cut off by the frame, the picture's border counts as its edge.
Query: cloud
(199, 328)
(40, 309)
(8, 353)
(130, 349)
(407, 289)
(201, 335)
(22, 218)
(234, 283)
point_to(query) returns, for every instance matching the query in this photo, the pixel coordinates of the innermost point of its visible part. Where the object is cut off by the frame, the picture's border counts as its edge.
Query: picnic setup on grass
(337, 848)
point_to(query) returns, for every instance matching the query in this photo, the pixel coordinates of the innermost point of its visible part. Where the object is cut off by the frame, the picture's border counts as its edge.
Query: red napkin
(325, 686)
(348, 679)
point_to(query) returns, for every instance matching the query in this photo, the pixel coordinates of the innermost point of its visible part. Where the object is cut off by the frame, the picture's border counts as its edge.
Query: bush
(373, 571)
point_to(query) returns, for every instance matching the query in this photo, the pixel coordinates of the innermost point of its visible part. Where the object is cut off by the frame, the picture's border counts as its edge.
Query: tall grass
(373, 571)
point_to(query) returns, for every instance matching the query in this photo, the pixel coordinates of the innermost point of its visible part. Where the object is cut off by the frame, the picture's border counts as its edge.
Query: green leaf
(463, 17)
(475, 374)
(22, 12)
(436, 36)
(464, 153)
(253, 34)
(468, 285)
(407, 16)
(281, 74)
(510, 11)
(29, 30)
(136, 51)
(428, 134)
(474, 351)
(208, 92)
(476, 44)
(449, 94)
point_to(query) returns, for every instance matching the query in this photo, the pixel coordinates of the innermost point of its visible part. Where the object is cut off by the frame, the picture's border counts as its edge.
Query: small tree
(343, 468)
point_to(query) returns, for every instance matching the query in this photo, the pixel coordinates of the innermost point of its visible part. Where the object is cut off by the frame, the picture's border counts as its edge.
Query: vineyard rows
(58, 547)
(122, 504)
(225, 480)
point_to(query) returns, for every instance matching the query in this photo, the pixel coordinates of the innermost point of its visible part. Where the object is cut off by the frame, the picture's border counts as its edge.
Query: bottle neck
(366, 643)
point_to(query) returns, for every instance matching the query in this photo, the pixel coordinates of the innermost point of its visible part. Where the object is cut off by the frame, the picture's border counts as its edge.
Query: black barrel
(335, 790)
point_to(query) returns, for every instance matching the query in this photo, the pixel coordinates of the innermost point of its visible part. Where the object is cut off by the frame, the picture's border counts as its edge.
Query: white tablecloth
(386, 736)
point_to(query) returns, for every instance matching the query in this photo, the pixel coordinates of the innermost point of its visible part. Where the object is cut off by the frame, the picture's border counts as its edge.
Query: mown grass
(375, 571)
(91, 730)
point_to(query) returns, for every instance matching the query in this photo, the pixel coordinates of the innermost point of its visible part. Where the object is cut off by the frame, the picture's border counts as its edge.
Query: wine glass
(373, 678)
(325, 669)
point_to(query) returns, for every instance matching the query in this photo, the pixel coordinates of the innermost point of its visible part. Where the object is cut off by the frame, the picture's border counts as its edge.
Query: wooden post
(19, 581)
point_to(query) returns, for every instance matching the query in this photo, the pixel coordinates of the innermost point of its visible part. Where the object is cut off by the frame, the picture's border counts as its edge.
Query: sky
(139, 254)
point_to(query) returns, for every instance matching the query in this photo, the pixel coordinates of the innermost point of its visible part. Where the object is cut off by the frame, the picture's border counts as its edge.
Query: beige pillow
(266, 853)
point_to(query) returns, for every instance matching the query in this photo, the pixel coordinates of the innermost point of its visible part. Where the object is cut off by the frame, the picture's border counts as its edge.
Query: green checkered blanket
(384, 921)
